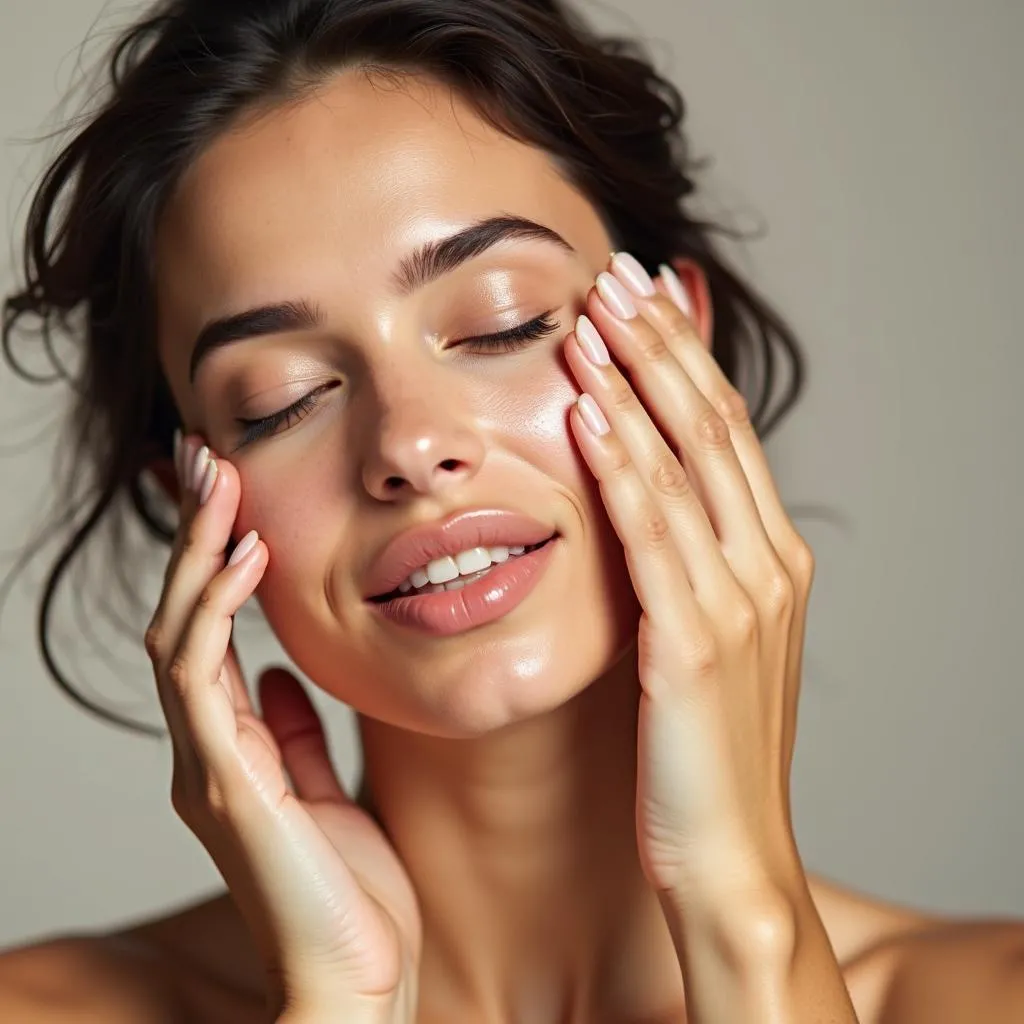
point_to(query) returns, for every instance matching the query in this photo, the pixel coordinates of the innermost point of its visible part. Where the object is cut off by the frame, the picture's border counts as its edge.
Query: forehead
(344, 181)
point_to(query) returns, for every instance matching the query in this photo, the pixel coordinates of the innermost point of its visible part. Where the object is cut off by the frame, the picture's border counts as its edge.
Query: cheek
(535, 415)
(296, 513)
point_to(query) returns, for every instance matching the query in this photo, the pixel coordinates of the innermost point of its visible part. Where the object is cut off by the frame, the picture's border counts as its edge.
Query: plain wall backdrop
(880, 144)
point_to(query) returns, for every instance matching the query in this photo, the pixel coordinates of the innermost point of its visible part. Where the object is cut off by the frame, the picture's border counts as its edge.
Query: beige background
(880, 142)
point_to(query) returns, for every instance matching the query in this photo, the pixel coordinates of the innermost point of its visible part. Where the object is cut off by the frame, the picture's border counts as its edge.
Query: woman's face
(322, 204)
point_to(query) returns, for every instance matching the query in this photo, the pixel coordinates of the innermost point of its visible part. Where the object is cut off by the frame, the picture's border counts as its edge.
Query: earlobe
(696, 294)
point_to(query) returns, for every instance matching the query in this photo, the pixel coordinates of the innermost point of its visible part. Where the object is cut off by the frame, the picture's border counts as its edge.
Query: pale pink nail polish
(245, 545)
(209, 479)
(615, 296)
(188, 456)
(591, 341)
(676, 292)
(630, 271)
(592, 415)
(199, 467)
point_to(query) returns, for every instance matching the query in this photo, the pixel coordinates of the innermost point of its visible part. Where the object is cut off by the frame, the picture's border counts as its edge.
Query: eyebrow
(429, 262)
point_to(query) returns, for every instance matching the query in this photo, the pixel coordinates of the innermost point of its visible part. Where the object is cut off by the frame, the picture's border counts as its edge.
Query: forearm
(762, 958)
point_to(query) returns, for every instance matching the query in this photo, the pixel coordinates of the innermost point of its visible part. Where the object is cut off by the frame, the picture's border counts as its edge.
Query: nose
(421, 448)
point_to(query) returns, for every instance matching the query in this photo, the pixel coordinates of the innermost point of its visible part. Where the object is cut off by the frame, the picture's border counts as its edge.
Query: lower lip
(446, 613)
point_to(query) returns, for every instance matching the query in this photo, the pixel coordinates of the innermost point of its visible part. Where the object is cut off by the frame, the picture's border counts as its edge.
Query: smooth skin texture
(503, 764)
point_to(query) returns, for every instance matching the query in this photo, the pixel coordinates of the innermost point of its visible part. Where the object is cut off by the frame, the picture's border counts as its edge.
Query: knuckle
(153, 640)
(656, 532)
(215, 797)
(206, 597)
(779, 592)
(712, 431)
(743, 622)
(669, 478)
(700, 655)
(188, 542)
(622, 398)
(177, 672)
(732, 407)
(802, 560)
(180, 799)
(653, 348)
(679, 330)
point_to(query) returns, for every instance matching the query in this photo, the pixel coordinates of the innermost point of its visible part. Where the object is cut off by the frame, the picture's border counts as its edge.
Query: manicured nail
(209, 479)
(615, 297)
(591, 341)
(592, 415)
(630, 271)
(177, 455)
(674, 287)
(199, 467)
(245, 545)
(187, 458)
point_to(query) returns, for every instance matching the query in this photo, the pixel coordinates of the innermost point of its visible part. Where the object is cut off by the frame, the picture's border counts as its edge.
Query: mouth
(412, 593)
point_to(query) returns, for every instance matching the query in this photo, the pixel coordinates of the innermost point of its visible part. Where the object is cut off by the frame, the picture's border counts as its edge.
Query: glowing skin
(531, 807)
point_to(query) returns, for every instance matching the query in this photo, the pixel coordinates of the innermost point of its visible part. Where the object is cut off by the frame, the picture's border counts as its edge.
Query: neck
(521, 846)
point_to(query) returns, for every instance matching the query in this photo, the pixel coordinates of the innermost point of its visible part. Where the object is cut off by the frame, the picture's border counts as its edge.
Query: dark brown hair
(191, 67)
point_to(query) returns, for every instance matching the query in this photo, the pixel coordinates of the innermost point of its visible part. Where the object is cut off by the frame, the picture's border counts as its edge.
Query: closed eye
(515, 337)
(254, 429)
(509, 340)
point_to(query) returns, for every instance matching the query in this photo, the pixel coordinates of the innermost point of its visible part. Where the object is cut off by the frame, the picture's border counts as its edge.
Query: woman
(455, 372)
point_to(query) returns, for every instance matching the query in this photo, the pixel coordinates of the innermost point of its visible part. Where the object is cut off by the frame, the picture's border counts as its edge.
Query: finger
(645, 346)
(202, 539)
(239, 692)
(196, 670)
(199, 554)
(656, 468)
(656, 567)
(724, 397)
(294, 723)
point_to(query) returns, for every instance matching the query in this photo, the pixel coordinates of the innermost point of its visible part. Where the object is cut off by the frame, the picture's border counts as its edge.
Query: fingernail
(615, 297)
(676, 292)
(177, 455)
(591, 341)
(199, 467)
(209, 479)
(592, 415)
(186, 458)
(631, 272)
(245, 545)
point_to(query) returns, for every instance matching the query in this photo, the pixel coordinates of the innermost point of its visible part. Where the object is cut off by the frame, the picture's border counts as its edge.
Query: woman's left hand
(723, 579)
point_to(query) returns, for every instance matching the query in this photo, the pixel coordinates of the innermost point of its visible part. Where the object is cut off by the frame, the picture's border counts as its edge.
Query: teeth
(441, 570)
(444, 573)
(472, 561)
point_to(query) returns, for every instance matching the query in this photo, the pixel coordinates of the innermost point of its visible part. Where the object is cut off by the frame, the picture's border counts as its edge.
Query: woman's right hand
(323, 892)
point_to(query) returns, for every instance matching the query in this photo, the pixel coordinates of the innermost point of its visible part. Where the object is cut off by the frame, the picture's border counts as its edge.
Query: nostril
(450, 464)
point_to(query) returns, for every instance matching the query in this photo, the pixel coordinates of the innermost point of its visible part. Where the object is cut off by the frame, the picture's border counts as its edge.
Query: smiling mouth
(463, 581)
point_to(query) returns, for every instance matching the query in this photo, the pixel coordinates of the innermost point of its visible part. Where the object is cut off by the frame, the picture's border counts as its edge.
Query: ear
(695, 284)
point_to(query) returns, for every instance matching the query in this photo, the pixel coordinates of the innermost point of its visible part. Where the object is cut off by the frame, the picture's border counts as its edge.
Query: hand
(326, 898)
(723, 579)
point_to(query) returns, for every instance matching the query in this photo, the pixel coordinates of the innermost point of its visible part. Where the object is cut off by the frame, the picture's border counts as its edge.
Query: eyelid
(507, 340)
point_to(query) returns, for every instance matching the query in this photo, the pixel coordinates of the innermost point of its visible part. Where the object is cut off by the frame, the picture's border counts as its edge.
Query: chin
(501, 681)
(510, 672)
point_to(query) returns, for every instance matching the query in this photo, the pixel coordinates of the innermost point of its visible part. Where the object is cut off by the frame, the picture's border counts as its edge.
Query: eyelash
(509, 340)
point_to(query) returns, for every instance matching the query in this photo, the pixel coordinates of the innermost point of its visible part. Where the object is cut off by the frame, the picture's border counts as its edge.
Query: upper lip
(475, 528)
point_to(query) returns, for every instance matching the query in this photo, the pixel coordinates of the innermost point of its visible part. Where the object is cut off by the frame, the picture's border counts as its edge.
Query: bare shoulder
(208, 948)
(187, 967)
(904, 966)
(86, 978)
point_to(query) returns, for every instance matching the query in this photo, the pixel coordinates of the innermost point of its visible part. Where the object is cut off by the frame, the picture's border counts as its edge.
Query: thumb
(293, 721)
